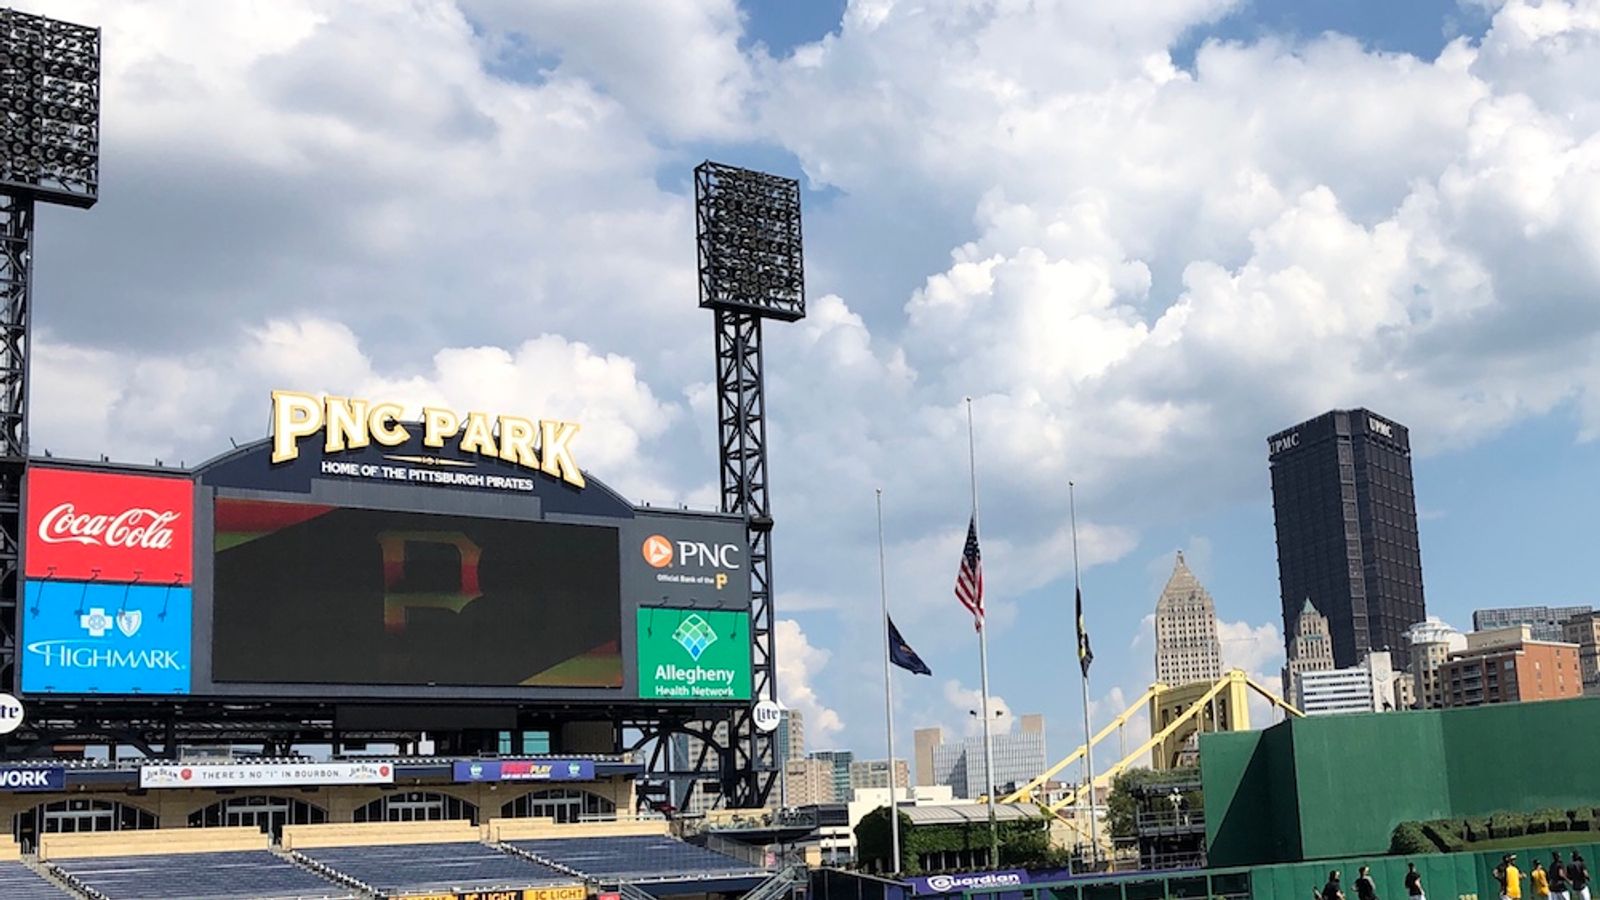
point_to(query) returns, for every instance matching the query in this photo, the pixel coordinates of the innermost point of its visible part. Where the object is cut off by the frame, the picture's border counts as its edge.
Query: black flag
(1085, 655)
(901, 654)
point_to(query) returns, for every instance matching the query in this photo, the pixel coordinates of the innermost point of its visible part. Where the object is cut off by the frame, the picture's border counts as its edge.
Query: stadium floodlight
(748, 228)
(49, 109)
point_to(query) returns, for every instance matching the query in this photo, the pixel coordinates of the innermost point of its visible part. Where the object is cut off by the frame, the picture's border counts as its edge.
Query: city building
(1367, 687)
(1432, 642)
(1547, 622)
(807, 782)
(1506, 665)
(791, 738)
(840, 760)
(1346, 520)
(1310, 648)
(925, 739)
(1584, 630)
(1018, 758)
(1187, 649)
(871, 774)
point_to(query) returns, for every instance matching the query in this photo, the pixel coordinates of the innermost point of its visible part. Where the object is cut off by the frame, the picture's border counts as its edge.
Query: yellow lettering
(554, 454)
(294, 416)
(345, 425)
(478, 436)
(516, 442)
(438, 424)
(384, 423)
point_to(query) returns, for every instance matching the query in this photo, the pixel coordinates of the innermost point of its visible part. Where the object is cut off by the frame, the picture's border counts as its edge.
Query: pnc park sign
(347, 423)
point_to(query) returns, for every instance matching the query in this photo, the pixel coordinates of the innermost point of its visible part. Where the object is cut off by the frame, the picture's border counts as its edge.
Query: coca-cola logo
(137, 528)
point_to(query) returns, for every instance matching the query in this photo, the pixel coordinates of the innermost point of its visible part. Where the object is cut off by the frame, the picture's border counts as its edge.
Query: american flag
(969, 581)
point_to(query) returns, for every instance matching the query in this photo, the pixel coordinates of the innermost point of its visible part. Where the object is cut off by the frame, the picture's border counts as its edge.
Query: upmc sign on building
(108, 560)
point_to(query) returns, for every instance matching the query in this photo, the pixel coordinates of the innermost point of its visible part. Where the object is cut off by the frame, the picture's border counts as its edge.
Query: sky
(1141, 236)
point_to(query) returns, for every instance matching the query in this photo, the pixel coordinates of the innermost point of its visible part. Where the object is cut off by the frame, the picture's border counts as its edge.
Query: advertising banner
(953, 884)
(525, 770)
(698, 655)
(83, 638)
(559, 892)
(25, 779)
(265, 775)
(109, 527)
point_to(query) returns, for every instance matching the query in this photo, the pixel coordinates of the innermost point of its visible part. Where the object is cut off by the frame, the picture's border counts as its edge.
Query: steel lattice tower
(751, 264)
(50, 153)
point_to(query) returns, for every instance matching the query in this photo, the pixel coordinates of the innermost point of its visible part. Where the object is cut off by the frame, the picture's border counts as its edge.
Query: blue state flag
(901, 654)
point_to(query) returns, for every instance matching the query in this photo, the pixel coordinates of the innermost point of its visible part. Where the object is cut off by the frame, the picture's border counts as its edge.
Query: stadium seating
(636, 858)
(18, 882)
(422, 868)
(191, 876)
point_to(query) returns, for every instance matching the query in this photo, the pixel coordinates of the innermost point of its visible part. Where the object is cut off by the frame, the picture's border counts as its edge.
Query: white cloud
(1253, 648)
(799, 663)
(967, 704)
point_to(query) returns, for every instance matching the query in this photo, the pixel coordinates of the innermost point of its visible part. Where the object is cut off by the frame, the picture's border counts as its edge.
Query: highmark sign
(351, 424)
(689, 654)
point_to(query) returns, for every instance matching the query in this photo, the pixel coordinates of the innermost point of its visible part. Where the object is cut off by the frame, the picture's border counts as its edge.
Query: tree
(1122, 806)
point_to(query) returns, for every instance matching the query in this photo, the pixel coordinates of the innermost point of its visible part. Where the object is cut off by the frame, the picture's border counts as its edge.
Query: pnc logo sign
(657, 551)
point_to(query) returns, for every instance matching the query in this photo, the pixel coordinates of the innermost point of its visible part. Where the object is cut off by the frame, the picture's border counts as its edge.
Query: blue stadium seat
(637, 858)
(18, 882)
(191, 876)
(422, 868)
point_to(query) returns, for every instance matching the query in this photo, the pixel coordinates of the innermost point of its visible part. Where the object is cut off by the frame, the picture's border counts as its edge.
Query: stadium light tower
(49, 153)
(747, 226)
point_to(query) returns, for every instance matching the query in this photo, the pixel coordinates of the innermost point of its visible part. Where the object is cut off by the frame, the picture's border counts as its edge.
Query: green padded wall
(1336, 786)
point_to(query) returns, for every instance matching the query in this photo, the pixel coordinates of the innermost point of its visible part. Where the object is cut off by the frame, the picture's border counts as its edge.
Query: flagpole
(888, 699)
(1088, 733)
(983, 661)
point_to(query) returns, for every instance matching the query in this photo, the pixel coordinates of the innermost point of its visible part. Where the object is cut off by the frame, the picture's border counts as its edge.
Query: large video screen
(309, 593)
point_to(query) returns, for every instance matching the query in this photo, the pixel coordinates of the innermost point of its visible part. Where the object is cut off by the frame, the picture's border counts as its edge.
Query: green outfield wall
(1336, 786)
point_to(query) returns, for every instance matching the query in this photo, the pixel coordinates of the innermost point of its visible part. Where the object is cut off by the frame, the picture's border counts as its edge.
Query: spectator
(1414, 883)
(1540, 881)
(1578, 874)
(1558, 876)
(1365, 889)
(1332, 890)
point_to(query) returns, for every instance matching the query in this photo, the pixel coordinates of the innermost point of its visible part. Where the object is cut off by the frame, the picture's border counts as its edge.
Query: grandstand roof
(963, 813)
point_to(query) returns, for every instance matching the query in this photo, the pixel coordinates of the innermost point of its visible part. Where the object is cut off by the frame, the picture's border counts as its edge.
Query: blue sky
(1142, 237)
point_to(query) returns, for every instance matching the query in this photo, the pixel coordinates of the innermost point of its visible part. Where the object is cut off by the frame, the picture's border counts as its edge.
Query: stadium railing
(365, 834)
(500, 830)
(152, 842)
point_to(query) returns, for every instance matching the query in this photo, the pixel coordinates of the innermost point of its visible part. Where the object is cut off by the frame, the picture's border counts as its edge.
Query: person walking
(1414, 883)
(1510, 878)
(1578, 875)
(1558, 877)
(1365, 889)
(1332, 890)
(1539, 880)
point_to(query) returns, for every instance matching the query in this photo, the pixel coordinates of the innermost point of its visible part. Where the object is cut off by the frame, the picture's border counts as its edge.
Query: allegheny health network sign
(694, 654)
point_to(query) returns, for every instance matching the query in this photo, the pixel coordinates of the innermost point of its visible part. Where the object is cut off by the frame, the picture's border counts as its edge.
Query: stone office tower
(1187, 649)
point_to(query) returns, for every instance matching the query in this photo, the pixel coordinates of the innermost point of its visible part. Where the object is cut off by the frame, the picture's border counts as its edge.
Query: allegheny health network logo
(694, 635)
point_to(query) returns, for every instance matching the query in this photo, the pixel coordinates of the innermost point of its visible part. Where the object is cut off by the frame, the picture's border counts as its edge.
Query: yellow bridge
(1176, 714)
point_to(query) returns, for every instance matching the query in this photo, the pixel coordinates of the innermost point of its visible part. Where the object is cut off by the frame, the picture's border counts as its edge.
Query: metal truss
(16, 271)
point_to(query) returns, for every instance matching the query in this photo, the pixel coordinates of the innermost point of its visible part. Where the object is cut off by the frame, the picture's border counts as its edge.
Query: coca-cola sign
(109, 527)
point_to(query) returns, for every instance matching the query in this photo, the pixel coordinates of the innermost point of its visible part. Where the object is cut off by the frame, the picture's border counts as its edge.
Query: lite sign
(350, 424)
(698, 655)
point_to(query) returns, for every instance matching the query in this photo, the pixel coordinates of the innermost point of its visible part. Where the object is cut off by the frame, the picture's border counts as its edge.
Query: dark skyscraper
(1346, 517)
